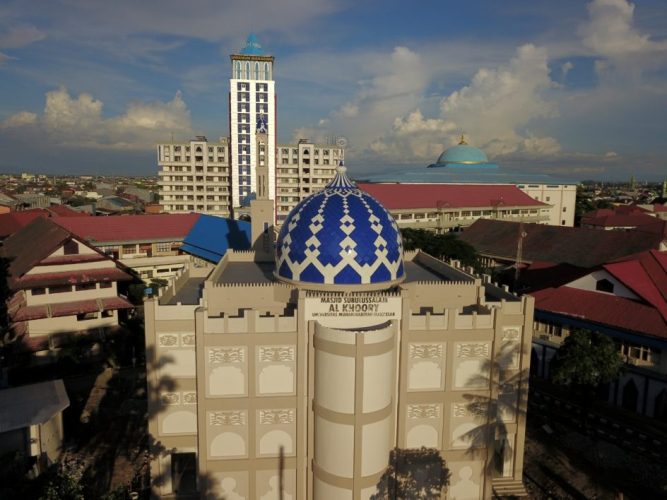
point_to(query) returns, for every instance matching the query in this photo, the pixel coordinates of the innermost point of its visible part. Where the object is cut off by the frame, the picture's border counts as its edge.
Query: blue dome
(340, 236)
(463, 153)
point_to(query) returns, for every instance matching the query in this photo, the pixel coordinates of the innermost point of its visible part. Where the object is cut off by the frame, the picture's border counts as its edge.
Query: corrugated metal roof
(211, 237)
(31, 404)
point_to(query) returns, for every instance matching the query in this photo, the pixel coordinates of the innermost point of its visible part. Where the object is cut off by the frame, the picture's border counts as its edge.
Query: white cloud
(20, 36)
(79, 122)
(492, 111)
(565, 68)
(20, 119)
(611, 35)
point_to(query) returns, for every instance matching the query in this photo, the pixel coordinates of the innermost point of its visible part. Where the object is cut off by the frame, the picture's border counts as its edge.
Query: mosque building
(463, 186)
(292, 370)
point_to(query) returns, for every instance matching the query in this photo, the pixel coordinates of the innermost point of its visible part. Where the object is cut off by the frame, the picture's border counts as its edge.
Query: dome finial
(463, 142)
(341, 168)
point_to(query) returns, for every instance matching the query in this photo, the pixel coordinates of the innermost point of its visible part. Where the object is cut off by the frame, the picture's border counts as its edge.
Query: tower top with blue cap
(340, 239)
(252, 46)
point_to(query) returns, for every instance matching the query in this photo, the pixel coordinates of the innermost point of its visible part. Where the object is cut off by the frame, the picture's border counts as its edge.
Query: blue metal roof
(211, 237)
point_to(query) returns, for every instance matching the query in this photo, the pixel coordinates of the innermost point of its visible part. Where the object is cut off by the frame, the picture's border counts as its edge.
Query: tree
(413, 473)
(585, 360)
(440, 245)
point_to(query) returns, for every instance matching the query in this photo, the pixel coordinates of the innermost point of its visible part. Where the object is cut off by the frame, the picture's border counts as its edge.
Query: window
(164, 247)
(548, 198)
(84, 286)
(60, 288)
(184, 472)
(86, 316)
(38, 291)
(71, 247)
(604, 285)
(107, 314)
(564, 209)
(106, 284)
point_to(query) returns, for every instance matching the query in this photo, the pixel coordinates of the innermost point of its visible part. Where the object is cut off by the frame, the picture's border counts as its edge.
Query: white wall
(562, 198)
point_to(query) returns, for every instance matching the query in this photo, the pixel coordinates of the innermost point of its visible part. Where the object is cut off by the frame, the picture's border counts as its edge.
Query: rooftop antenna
(341, 142)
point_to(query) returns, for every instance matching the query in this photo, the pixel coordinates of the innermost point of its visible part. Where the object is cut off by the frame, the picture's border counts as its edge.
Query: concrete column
(354, 409)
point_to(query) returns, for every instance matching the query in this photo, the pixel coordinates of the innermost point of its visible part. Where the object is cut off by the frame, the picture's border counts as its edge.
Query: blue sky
(569, 87)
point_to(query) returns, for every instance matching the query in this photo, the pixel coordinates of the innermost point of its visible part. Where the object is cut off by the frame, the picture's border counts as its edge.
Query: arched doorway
(534, 363)
(630, 396)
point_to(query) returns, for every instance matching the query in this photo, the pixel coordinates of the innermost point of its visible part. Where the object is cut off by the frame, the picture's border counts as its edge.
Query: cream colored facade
(195, 177)
(561, 197)
(336, 379)
(301, 170)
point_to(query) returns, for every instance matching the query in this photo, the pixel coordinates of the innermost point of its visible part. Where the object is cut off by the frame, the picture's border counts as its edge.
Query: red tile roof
(635, 219)
(86, 306)
(130, 228)
(73, 259)
(71, 278)
(603, 309)
(571, 245)
(27, 313)
(432, 196)
(13, 221)
(66, 211)
(646, 275)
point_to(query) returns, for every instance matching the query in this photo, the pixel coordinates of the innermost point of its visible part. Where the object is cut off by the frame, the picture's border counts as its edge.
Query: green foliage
(586, 359)
(413, 474)
(440, 245)
(63, 487)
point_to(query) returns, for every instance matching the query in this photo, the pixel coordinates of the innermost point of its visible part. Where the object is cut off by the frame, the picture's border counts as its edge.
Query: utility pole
(519, 254)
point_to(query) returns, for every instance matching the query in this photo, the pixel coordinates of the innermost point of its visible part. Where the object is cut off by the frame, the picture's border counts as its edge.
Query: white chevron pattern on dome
(340, 236)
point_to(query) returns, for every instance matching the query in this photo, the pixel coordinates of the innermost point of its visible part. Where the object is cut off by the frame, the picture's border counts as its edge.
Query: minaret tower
(252, 111)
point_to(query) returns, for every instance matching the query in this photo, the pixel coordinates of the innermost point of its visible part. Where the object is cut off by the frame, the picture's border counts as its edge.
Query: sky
(573, 88)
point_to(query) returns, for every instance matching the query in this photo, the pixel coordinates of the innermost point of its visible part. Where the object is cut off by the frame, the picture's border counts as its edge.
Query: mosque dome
(463, 155)
(339, 237)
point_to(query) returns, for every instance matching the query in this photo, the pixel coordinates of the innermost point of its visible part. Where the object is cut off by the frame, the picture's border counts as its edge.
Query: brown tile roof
(575, 246)
(28, 246)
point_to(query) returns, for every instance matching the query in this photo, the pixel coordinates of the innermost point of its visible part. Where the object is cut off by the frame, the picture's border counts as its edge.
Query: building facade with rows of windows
(194, 176)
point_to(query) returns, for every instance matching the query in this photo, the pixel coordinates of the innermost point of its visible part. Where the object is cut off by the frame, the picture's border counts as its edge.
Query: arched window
(256, 71)
(266, 72)
(247, 70)
(630, 396)
(238, 69)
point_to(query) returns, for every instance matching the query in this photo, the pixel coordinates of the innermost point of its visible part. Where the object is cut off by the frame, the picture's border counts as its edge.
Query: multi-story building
(194, 177)
(60, 286)
(148, 244)
(626, 300)
(464, 164)
(453, 207)
(302, 169)
(252, 110)
(296, 377)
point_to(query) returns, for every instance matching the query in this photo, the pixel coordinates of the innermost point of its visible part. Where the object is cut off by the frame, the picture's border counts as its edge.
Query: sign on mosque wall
(376, 307)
